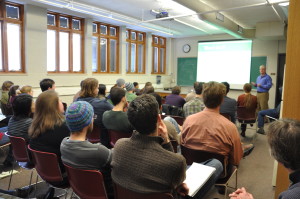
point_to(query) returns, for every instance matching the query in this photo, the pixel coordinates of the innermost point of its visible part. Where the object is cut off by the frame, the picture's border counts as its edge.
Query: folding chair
(192, 155)
(122, 193)
(115, 135)
(245, 116)
(94, 136)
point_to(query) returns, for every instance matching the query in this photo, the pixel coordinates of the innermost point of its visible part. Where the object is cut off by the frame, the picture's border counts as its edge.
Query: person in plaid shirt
(196, 104)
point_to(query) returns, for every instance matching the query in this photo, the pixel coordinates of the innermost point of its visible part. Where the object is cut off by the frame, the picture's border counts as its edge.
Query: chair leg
(225, 196)
(11, 173)
(236, 179)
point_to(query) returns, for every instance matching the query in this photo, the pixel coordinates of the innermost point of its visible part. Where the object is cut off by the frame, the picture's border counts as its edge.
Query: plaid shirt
(193, 106)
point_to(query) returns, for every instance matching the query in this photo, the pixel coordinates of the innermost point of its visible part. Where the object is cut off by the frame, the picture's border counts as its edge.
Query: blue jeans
(263, 113)
(173, 121)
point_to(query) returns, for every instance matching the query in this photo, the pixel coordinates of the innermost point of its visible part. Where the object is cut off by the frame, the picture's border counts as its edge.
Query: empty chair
(94, 136)
(115, 135)
(122, 193)
(87, 184)
(21, 155)
(192, 155)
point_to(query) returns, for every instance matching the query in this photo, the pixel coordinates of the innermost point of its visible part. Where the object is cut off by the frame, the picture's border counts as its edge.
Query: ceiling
(186, 17)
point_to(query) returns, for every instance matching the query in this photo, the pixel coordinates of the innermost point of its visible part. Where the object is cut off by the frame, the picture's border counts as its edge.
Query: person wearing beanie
(77, 151)
(120, 83)
(129, 94)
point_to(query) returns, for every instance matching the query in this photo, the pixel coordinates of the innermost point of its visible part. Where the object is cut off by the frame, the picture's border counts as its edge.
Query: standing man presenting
(263, 84)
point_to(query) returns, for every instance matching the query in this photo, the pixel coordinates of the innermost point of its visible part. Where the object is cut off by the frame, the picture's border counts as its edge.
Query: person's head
(89, 88)
(79, 117)
(13, 90)
(149, 89)
(227, 86)
(176, 90)
(262, 69)
(26, 89)
(158, 99)
(117, 95)
(48, 113)
(136, 85)
(198, 87)
(129, 86)
(120, 83)
(47, 84)
(102, 89)
(148, 84)
(143, 114)
(247, 88)
(283, 138)
(213, 94)
(6, 85)
(22, 106)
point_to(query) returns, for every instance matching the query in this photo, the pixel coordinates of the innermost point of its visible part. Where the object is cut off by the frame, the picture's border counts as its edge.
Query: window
(135, 51)
(159, 54)
(12, 39)
(65, 37)
(105, 44)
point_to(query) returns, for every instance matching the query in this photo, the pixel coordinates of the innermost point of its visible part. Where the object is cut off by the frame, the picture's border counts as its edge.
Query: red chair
(115, 135)
(87, 184)
(122, 193)
(94, 136)
(21, 155)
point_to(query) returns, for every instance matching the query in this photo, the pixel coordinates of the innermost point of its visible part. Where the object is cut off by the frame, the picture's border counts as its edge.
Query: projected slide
(224, 61)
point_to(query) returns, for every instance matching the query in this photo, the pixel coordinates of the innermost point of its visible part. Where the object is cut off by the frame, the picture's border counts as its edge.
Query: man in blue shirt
(263, 84)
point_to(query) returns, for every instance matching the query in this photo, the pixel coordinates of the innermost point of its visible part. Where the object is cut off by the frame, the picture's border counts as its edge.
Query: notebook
(196, 176)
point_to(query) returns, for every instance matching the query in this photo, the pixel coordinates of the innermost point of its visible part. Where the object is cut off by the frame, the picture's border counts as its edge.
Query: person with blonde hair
(26, 89)
(248, 101)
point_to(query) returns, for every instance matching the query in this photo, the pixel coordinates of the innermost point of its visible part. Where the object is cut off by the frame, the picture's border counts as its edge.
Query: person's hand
(258, 85)
(241, 194)
(182, 189)
(253, 83)
(163, 132)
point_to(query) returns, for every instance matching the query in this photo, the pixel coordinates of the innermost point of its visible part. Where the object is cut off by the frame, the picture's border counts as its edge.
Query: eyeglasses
(94, 116)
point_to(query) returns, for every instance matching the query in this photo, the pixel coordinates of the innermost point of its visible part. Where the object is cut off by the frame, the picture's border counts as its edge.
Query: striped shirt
(19, 127)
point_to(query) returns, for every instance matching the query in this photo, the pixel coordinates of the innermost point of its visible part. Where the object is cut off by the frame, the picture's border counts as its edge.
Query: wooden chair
(245, 116)
(192, 155)
(115, 135)
(94, 136)
(122, 193)
(21, 155)
(87, 184)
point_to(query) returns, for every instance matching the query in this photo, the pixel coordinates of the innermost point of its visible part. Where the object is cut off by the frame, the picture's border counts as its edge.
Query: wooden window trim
(5, 20)
(137, 42)
(69, 30)
(159, 46)
(108, 37)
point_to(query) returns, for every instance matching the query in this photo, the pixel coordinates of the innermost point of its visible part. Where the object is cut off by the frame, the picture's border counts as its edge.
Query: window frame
(69, 30)
(5, 20)
(108, 37)
(159, 46)
(130, 41)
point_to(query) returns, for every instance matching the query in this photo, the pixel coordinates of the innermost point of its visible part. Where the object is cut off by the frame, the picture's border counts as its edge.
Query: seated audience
(195, 104)
(120, 83)
(27, 89)
(12, 93)
(5, 98)
(148, 89)
(146, 163)
(228, 105)
(136, 89)
(142, 91)
(89, 92)
(261, 117)
(175, 99)
(283, 138)
(48, 127)
(248, 101)
(192, 94)
(47, 84)
(102, 91)
(116, 119)
(129, 94)
(78, 152)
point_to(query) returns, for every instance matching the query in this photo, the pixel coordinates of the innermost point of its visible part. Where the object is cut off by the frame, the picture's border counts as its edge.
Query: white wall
(271, 49)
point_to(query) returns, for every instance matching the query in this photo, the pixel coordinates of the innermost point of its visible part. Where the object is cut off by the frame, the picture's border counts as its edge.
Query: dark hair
(6, 85)
(13, 90)
(227, 86)
(45, 84)
(176, 90)
(135, 84)
(213, 94)
(198, 87)
(158, 98)
(102, 89)
(283, 138)
(116, 95)
(88, 87)
(149, 89)
(22, 106)
(142, 114)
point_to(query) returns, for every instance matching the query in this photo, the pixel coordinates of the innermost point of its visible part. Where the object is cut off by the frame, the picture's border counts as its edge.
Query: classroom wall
(269, 48)
(68, 84)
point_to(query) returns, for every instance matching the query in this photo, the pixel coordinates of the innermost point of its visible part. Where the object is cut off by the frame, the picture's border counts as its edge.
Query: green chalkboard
(186, 71)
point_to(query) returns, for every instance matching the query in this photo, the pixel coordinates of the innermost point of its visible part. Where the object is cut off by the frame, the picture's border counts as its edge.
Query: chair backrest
(172, 110)
(122, 193)
(179, 119)
(94, 136)
(245, 114)
(19, 148)
(115, 135)
(47, 166)
(192, 155)
(87, 184)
